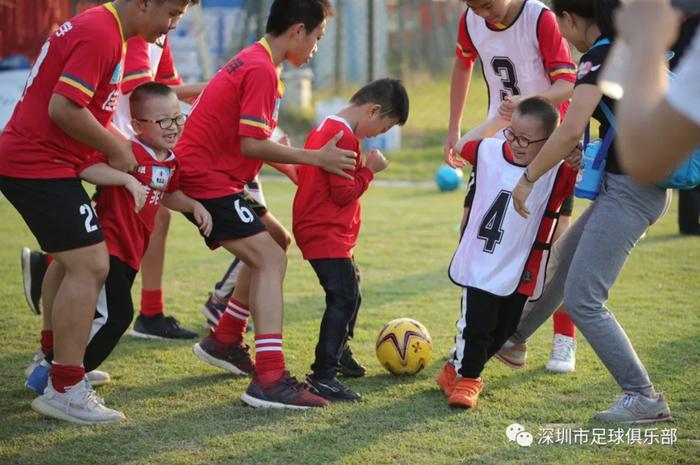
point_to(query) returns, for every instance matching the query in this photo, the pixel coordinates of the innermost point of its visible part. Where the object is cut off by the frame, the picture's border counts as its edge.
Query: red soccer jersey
(242, 100)
(82, 61)
(127, 233)
(535, 26)
(533, 274)
(326, 211)
(148, 62)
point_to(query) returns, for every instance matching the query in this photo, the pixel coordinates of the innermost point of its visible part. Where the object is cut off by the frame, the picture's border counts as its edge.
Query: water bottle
(591, 172)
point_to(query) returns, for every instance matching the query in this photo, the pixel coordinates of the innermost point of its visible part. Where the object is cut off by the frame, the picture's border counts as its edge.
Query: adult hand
(450, 155)
(520, 194)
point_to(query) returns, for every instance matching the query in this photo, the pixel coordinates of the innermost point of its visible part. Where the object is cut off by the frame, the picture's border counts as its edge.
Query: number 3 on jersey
(490, 229)
(504, 68)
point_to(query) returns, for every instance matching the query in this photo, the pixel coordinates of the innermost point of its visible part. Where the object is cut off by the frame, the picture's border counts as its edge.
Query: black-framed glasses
(520, 141)
(166, 123)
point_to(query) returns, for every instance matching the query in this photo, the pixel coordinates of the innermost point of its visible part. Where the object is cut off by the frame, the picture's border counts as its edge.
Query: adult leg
(624, 211)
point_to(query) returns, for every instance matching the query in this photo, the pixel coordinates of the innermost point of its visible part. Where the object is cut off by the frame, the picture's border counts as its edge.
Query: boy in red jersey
(226, 140)
(523, 54)
(326, 218)
(157, 121)
(61, 119)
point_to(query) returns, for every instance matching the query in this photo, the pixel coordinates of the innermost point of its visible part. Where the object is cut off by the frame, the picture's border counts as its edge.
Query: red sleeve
(137, 64)
(258, 100)
(166, 73)
(470, 150)
(95, 159)
(465, 49)
(554, 49)
(89, 61)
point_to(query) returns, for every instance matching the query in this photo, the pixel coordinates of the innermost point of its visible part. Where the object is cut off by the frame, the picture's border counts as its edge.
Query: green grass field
(182, 411)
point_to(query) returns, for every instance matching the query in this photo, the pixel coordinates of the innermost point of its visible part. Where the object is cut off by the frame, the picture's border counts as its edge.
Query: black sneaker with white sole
(160, 327)
(332, 390)
(349, 366)
(234, 357)
(34, 265)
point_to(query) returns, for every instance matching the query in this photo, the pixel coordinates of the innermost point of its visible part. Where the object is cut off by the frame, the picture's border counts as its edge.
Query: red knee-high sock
(151, 302)
(269, 358)
(563, 324)
(46, 341)
(231, 327)
(65, 376)
(233, 322)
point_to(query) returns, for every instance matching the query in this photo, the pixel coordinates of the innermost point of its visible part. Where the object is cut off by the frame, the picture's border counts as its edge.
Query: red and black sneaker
(286, 392)
(234, 358)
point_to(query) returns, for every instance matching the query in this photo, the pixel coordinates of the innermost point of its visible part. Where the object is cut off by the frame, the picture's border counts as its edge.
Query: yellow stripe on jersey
(78, 85)
(254, 123)
(131, 77)
(111, 9)
(464, 53)
(562, 71)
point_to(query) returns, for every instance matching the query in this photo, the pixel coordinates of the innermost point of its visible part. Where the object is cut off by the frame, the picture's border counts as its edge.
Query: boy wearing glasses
(157, 122)
(501, 257)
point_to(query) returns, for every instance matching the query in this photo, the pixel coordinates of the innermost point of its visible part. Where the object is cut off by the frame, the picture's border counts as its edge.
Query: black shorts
(232, 217)
(57, 211)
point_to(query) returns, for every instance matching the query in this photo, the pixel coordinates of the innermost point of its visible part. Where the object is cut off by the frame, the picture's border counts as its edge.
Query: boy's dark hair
(146, 90)
(599, 11)
(286, 13)
(389, 93)
(542, 109)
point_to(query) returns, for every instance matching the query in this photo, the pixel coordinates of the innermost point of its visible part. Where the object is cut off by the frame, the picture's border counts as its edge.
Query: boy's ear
(297, 30)
(136, 126)
(375, 110)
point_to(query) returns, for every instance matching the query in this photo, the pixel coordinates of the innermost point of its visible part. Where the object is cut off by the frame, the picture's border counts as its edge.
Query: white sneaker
(98, 377)
(79, 404)
(512, 354)
(634, 408)
(563, 356)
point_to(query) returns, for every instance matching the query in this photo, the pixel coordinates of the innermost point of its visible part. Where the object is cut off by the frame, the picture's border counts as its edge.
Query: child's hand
(284, 140)
(375, 161)
(573, 159)
(508, 106)
(203, 218)
(451, 152)
(138, 192)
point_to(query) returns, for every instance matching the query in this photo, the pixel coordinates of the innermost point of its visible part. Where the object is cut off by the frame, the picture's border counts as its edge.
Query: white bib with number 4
(497, 241)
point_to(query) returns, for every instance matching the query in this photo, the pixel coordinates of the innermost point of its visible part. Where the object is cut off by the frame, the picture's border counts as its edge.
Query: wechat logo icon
(516, 433)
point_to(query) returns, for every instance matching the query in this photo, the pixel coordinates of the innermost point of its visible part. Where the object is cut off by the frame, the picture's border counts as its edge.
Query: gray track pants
(585, 263)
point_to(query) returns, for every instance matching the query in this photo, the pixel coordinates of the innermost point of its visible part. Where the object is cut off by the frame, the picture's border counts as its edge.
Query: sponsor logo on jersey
(65, 27)
(160, 177)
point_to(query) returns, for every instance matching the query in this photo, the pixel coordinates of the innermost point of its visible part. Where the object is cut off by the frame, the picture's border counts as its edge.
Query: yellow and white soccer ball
(404, 346)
